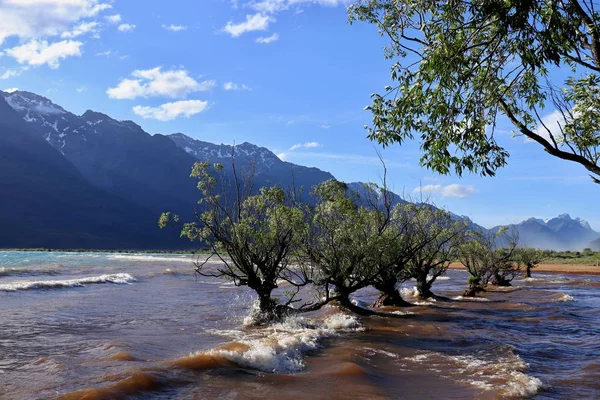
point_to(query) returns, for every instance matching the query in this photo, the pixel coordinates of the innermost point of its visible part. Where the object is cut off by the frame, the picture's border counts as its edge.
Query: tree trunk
(528, 272)
(390, 296)
(500, 281)
(423, 287)
(473, 289)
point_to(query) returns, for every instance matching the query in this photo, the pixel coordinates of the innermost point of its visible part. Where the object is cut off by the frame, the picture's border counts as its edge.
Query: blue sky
(290, 75)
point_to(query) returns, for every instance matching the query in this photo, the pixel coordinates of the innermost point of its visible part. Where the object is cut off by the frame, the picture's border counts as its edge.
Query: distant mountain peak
(31, 102)
(564, 216)
(209, 151)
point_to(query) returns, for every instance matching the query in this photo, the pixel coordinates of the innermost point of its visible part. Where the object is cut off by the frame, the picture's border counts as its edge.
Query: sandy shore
(555, 268)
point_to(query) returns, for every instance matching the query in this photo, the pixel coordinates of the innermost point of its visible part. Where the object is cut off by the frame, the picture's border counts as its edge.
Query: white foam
(281, 347)
(398, 312)
(566, 297)
(504, 375)
(120, 278)
(150, 258)
(470, 298)
(410, 292)
(371, 352)
(427, 302)
(522, 385)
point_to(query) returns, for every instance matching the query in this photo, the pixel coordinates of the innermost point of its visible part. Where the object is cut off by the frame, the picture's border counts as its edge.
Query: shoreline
(574, 269)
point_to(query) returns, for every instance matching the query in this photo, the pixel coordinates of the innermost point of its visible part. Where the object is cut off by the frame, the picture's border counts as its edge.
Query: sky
(289, 75)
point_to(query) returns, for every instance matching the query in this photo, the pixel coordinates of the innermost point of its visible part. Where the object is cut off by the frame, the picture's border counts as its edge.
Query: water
(101, 325)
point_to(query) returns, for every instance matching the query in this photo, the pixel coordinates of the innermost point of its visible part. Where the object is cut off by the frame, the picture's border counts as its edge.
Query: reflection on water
(100, 325)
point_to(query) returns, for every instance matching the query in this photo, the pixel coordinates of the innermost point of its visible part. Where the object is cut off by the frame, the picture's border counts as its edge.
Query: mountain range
(90, 181)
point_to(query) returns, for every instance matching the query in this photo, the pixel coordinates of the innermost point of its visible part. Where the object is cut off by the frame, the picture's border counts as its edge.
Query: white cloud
(81, 29)
(325, 126)
(235, 86)
(113, 19)
(10, 90)
(453, 190)
(104, 53)
(170, 111)
(126, 27)
(282, 156)
(32, 19)
(36, 53)
(275, 6)
(81, 89)
(154, 82)
(11, 73)
(267, 39)
(256, 22)
(307, 145)
(175, 28)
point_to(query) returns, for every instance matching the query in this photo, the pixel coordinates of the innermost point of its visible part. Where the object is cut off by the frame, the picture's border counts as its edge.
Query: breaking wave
(120, 278)
(504, 375)
(279, 348)
(150, 258)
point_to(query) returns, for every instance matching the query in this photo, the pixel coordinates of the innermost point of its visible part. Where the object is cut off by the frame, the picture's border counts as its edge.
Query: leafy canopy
(458, 65)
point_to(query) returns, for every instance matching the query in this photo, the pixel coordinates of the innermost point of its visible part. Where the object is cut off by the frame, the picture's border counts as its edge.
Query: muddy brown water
(109, 326)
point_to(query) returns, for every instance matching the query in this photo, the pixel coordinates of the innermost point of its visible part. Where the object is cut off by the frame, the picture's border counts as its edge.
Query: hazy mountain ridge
(559, 233)
(93, 181)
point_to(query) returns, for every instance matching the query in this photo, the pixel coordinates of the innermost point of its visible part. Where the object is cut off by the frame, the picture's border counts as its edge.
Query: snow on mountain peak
(31, 102)
(583, 223)
(204, 150)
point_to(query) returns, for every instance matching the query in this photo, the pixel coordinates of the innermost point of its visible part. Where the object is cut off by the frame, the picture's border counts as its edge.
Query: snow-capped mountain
(268, 168)
(72, 180)
(222, 153)
(65, 131)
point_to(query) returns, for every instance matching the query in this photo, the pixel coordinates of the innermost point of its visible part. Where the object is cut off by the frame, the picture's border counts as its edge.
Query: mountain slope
(268, 168)
(45, 202)
(560, 233)
(117, 156)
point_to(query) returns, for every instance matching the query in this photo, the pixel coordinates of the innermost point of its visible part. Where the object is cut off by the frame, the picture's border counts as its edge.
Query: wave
(470, 298)
(279, 348)
(120, 278)
(565, 297)
(16, 271)
(504, 375)
(150, 258)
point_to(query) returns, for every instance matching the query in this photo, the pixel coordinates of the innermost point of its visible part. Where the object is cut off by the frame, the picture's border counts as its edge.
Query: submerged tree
(529, 257)
(436, 239)
(487, 256)
(460, 65)
(255, 236)
(342, 243)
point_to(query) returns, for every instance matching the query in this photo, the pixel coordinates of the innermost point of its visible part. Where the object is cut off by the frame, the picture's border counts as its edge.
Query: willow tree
(436, 239)
(486, 256)
(254, 235)
(530, 258)
(459, 66)
(342, 243)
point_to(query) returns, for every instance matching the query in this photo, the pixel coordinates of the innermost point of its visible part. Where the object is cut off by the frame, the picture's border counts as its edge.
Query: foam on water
(504, 374)
(470, 298)
(410, 292)
(281, 347)
(150, 258)
(566, 297)
(120, 278)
